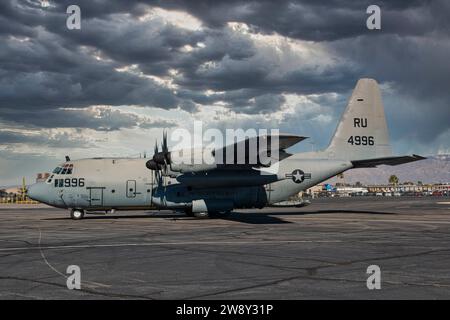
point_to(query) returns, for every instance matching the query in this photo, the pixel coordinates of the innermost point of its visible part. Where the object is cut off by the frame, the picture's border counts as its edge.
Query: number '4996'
(361, 140)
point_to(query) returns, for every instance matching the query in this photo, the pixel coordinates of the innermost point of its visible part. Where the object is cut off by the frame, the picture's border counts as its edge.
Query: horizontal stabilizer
(390, 161)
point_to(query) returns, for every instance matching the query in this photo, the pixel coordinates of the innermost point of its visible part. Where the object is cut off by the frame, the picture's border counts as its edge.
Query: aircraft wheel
(201, 215)
(76, 214)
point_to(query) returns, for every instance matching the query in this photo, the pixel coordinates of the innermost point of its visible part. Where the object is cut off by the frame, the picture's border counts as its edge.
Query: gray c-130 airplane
(107, 184)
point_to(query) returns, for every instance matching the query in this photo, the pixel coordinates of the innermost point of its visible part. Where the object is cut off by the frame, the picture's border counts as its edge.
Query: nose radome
(36, 191)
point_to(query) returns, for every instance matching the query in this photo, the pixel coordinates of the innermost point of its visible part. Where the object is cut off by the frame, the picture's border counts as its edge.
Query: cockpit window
(66, 169)
(57, 170)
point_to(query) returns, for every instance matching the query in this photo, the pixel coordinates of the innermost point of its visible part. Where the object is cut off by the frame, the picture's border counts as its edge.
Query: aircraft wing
(390, 161)
(253, 152)
(260, 145)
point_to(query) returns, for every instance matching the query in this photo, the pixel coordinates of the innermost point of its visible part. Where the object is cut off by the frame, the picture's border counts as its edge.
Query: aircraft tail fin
(362, 131)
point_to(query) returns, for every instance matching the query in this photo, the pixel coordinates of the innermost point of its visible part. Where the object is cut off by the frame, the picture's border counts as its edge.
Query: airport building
(406, 189)
(412, 189)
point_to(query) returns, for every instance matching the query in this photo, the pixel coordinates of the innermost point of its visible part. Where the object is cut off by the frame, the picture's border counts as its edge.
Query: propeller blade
(156, 147)
(165, 149)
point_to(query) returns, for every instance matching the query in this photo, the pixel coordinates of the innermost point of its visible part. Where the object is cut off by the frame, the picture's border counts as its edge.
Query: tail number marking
(361, 140)
(360, 122)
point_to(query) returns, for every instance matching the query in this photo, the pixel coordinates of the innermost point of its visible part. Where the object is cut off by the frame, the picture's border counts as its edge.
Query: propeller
(152, 164)
(161, 159)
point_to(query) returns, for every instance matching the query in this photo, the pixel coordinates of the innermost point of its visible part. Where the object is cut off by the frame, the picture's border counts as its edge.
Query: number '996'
(69, 182)
(361, 140)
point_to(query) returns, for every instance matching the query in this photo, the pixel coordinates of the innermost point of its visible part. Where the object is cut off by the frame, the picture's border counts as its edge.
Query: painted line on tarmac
(156, 244)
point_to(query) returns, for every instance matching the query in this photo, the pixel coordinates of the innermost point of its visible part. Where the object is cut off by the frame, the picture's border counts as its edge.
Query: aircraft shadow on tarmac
(244, 217)
(328, 211)
(271, 217)
(251, 218)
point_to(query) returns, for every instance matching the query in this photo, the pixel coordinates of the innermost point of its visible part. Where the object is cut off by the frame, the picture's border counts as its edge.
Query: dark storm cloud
(45, 67)
(41, 73)
(55, 67)
(59, 140)
(318, 20)
(97, 118)
(417, 70)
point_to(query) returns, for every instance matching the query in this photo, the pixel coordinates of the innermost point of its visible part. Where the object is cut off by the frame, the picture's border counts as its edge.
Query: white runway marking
(45, 259)
(88, 284)
(155, 244)
(443, 202)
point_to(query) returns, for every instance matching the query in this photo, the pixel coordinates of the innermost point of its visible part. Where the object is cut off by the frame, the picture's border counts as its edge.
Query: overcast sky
(137, 67)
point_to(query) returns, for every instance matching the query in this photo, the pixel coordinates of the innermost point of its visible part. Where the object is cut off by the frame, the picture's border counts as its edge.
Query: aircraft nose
(36, 191)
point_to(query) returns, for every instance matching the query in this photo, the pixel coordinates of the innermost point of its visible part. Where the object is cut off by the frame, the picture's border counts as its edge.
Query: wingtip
(293, 136)
(419, 157)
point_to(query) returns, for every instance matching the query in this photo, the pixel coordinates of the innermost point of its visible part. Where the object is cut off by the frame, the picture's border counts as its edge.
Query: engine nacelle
(186, 168)
(192, 160)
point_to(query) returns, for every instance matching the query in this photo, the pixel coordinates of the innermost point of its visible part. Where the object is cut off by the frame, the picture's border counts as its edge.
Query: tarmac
(321, 251)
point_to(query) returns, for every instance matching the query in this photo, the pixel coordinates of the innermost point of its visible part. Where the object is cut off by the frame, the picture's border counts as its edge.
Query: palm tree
(393, 179)
(341, 176)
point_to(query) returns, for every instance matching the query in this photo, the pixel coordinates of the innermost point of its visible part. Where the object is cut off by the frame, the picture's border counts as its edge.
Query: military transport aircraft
(107, 184)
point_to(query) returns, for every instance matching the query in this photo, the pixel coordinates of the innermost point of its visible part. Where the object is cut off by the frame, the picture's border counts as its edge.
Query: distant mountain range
(434, 169)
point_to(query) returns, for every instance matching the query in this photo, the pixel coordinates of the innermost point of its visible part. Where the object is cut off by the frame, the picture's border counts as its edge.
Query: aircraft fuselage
(123, 183)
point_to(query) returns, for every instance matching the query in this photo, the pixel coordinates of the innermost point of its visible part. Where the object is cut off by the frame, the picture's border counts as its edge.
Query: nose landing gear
(77, 214)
